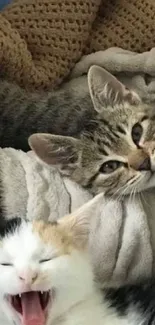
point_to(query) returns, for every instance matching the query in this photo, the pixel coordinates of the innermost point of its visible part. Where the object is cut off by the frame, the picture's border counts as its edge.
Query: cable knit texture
(127, 24)
(41, 40)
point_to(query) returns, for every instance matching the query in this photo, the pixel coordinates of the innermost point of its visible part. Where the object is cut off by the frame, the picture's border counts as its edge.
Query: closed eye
(6, 264)
(45, 260)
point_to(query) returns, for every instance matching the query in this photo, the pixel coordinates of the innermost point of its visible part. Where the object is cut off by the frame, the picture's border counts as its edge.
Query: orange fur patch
(56, 235)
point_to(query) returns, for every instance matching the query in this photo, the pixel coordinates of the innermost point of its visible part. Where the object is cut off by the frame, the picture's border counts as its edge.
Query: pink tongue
(32, 311)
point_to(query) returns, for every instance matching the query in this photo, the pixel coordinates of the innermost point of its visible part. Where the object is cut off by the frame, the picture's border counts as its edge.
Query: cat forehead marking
(54, 235)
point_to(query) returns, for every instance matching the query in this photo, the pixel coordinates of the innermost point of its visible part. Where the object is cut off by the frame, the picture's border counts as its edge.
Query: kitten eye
(45, 260)
(137, 131)
(110, 166)
(5, 264)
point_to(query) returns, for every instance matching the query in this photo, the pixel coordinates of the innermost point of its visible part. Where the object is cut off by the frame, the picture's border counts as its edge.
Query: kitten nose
(28, 278)
(145, 165)
(139, 160)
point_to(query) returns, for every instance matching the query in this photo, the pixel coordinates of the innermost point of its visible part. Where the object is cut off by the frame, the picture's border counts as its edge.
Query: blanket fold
(135, 70)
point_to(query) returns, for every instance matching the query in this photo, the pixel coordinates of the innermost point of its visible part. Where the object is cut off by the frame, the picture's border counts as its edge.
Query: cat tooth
(42, 292)
(20, 295)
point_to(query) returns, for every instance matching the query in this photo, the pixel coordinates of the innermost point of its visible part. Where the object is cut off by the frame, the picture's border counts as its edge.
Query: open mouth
(31, 306)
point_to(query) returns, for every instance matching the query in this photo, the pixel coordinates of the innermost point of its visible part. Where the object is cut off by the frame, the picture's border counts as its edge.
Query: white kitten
(46, 277)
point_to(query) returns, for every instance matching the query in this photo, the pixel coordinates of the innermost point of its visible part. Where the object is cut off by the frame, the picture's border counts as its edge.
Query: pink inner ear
(106, 90)
(132, 97)
(39, 144)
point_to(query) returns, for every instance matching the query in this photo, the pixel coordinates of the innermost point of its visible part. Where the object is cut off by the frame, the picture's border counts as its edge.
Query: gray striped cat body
(107, 140)
(66, 111)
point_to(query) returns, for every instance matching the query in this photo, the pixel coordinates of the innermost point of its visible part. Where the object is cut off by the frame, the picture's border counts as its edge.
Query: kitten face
(118, 157)
(124, 150)
(42, 270)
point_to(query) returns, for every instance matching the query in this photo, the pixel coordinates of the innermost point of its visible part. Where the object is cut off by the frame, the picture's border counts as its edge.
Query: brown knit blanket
(41, 40)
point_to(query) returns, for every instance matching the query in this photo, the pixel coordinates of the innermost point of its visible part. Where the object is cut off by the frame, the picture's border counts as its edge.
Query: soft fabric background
(135, 70)
(41, 40)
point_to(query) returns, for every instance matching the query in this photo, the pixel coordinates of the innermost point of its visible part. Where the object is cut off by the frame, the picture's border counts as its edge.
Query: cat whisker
(134, 191)
(132, 194)
(129, 186)
(118, 191)
(143, 199)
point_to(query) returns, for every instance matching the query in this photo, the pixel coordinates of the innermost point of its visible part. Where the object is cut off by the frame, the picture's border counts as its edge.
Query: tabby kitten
(47, 279)
(110, 138)
(118, 155)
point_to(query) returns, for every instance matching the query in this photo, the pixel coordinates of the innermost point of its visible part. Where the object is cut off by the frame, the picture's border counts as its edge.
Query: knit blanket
(135, 70)
(41, 40)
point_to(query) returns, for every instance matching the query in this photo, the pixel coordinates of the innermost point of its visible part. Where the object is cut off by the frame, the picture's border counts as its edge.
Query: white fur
(69, 275)
(76, 300)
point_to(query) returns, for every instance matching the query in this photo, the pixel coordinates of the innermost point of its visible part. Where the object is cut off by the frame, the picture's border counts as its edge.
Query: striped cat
(107, 140)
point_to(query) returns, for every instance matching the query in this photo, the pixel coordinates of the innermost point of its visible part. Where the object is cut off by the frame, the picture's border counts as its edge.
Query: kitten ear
(106, 90)
(56, 150)
(79, 224)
